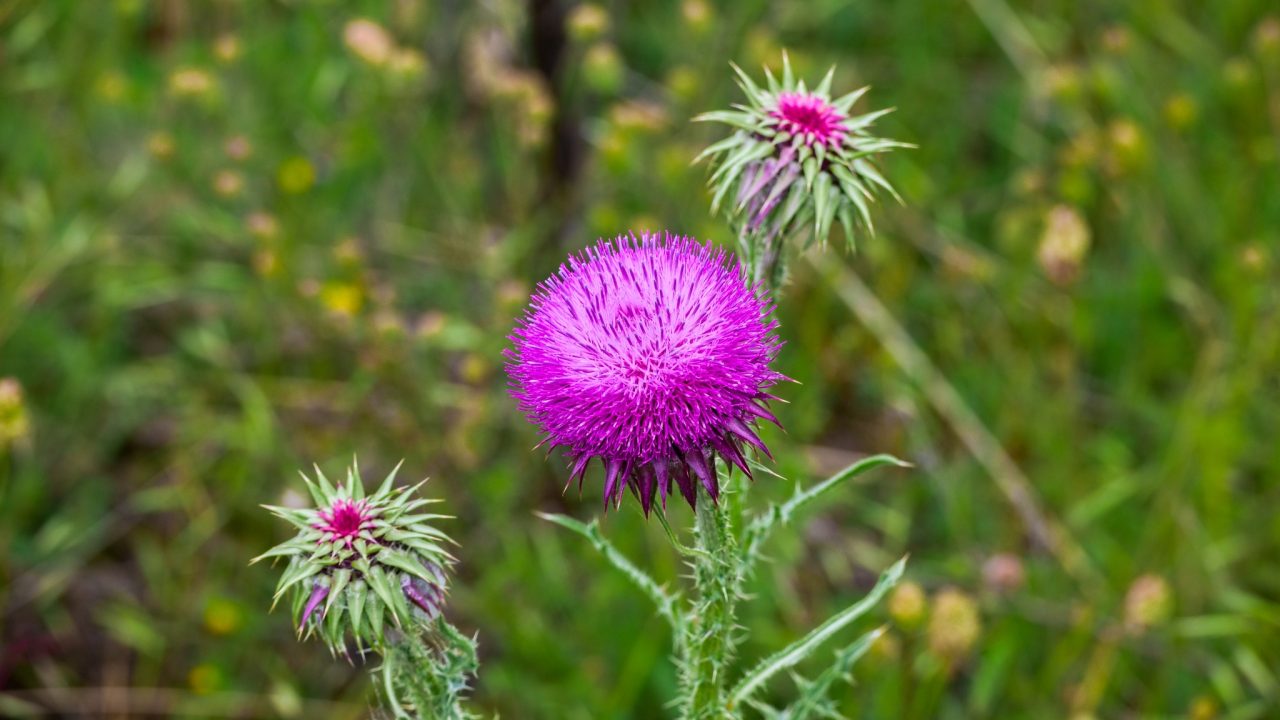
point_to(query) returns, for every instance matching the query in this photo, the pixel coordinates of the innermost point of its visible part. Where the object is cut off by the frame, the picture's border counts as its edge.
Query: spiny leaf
(800, 649)
(813, 698)
(666, 600)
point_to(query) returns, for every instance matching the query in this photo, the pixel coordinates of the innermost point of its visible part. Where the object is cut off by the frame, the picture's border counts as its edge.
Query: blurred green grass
(240, 237)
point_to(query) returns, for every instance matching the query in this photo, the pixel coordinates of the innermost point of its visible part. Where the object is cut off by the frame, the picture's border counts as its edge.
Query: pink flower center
(809, 117)
(345, 519)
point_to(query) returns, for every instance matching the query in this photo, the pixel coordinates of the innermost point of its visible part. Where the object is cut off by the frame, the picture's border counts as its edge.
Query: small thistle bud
(797, 161)
(1266, 38)
(368, 41)
(296, 175)
(587, 22)
(227, 48)
(1003, 573)
(361, 563)
(1203, 708)
(1148, 603)
(237, 147)
(907, 605)
(1063, 245)
(160, 145)
(14, 425)
(603, 69)
(954, 626)
(228, 183)
(191, 82)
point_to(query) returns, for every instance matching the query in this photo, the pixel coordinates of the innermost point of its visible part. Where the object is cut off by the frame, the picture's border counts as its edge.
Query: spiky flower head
(361, 563)
(798, 160)
(651, 354)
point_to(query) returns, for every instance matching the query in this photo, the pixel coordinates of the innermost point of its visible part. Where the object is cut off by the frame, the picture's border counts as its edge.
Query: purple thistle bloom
(653, 355)
(809, 116)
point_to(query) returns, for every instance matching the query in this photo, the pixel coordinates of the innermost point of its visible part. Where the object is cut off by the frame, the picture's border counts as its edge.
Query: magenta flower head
(797, 160)
(360, 563)
(651, 354)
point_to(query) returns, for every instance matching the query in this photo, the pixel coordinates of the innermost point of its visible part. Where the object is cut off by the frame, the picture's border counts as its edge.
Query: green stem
(426, 674)
(709, 642)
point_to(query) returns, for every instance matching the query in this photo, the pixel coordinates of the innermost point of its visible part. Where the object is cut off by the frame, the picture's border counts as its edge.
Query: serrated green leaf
(802, 648)
(666, 601)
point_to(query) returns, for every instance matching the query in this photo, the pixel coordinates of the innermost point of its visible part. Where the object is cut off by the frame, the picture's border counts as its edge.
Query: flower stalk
(710, 645)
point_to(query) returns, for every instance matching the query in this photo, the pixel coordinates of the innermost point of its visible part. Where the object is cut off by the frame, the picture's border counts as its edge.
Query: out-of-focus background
(239, 237)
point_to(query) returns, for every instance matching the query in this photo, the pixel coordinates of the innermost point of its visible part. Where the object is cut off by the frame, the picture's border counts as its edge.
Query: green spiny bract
(430, 675)
(361, 564)
(797, 160)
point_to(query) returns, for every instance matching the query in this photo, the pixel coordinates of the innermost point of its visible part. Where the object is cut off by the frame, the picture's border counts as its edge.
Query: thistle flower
(797, 159)
(361, 562)
(651, 354)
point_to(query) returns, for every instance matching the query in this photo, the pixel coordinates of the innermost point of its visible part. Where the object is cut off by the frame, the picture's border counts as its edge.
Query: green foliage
(704, 630)
(427, 674)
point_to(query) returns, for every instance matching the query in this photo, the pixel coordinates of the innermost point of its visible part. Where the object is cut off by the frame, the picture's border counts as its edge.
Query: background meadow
(238, 237)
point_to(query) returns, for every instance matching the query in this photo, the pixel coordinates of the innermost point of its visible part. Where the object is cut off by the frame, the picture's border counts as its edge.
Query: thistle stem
(709, 642)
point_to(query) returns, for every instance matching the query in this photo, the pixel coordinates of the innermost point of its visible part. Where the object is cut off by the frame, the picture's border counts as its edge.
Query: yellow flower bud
(908, 605)
(954, 625)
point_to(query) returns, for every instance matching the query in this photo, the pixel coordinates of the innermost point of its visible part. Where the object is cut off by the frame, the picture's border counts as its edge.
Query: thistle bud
(368, 41)
(907, 605)
(361, 563)
(602, 68)
(954, 626)
(588, 22)
(1063, 245)
(14, 425)
(798, 161)
(1148, 603)
(1003, 573)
